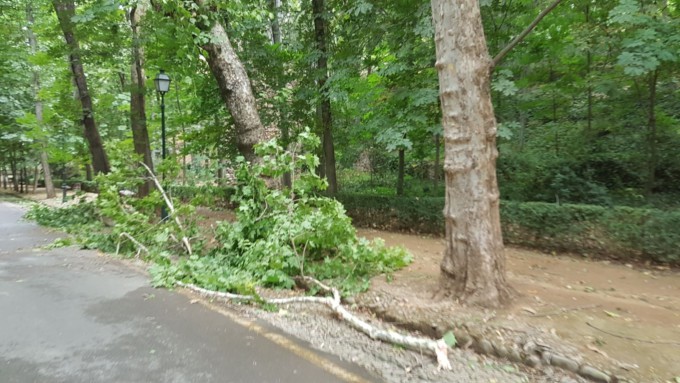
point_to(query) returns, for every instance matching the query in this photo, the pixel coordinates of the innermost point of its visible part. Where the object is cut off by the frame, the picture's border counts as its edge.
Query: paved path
(74, 316)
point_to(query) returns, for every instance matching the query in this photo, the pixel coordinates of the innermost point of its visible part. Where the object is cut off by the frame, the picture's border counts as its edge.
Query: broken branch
(437, 347)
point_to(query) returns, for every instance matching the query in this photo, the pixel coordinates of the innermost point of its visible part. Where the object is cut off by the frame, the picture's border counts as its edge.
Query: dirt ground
(625, 318)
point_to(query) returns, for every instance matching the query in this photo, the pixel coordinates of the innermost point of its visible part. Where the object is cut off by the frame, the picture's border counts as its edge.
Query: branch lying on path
(633, 339)
(140, 247)
(437, 347)
(171, 207)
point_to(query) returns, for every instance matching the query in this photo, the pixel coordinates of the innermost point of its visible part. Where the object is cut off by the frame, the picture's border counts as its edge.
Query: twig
(133, 240)
(437, 347)
(301, 258)
(633, 339)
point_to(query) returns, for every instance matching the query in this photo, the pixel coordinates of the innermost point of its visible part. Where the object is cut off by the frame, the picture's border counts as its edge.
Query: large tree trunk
(65, 10)
(44, 161)
(473, 268)
(235, 90)
(321, 35)
(140, 134)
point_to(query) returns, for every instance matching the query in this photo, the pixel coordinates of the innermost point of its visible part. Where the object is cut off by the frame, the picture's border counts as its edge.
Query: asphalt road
(71, 316)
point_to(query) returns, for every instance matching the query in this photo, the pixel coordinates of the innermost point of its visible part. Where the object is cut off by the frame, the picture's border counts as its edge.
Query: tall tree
(44, 162)
(473, 268)
(227, 69)
(65, 10)
(140, 133)
(324, 105)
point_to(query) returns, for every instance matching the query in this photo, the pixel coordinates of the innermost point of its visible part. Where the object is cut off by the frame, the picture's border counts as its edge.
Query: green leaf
(450, 339)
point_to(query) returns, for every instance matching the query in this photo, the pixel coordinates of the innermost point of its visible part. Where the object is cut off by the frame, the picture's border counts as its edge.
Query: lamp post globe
(162, 82)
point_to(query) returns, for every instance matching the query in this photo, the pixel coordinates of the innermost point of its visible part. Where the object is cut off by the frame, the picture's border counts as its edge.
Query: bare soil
(624, 318)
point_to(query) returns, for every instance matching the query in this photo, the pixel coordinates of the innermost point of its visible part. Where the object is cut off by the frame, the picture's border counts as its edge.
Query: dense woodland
(587, 103)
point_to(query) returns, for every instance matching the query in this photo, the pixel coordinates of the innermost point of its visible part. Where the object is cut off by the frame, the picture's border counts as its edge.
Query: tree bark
(435, 173)
(235, 90)
(274, 6)
(140, 133)
(400, 172)
(65, 10)
(326, 121)
(36, 176)
(473, 268)
(44, 161)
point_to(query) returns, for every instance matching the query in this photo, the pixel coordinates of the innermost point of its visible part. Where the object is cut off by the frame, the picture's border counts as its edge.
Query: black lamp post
(162, 82)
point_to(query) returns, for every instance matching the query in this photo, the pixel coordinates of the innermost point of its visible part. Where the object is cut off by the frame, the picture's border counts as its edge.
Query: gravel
(316, 325)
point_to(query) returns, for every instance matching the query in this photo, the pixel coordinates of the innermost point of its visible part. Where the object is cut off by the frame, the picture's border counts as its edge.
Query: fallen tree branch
(140, 247)
(171, 207)
(437, 347)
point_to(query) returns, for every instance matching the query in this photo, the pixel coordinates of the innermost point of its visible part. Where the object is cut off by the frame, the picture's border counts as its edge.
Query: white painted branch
(437, 347)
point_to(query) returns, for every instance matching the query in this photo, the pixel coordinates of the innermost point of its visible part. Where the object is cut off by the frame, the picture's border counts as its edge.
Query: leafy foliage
(620, 232)
(280, 234)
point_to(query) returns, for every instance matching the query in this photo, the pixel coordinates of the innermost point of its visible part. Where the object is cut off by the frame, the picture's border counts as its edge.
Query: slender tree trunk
(44, 161)
(473, 268)
(435, 173)
(15, 175)
(589, 64)
(652, 144)
(65, 10)
(321, 35)
(24, 178)
(36, 176)
(400, 173)
(274, 6)
(88, 172)
(140, 133)
(184, 134)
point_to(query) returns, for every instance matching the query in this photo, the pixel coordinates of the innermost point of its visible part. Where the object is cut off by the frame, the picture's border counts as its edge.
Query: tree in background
(44, 162)
(140, 133)
(65, 10)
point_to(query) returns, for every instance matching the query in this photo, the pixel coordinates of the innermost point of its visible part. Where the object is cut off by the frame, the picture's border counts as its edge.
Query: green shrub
(203, 195)
(620, 232)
